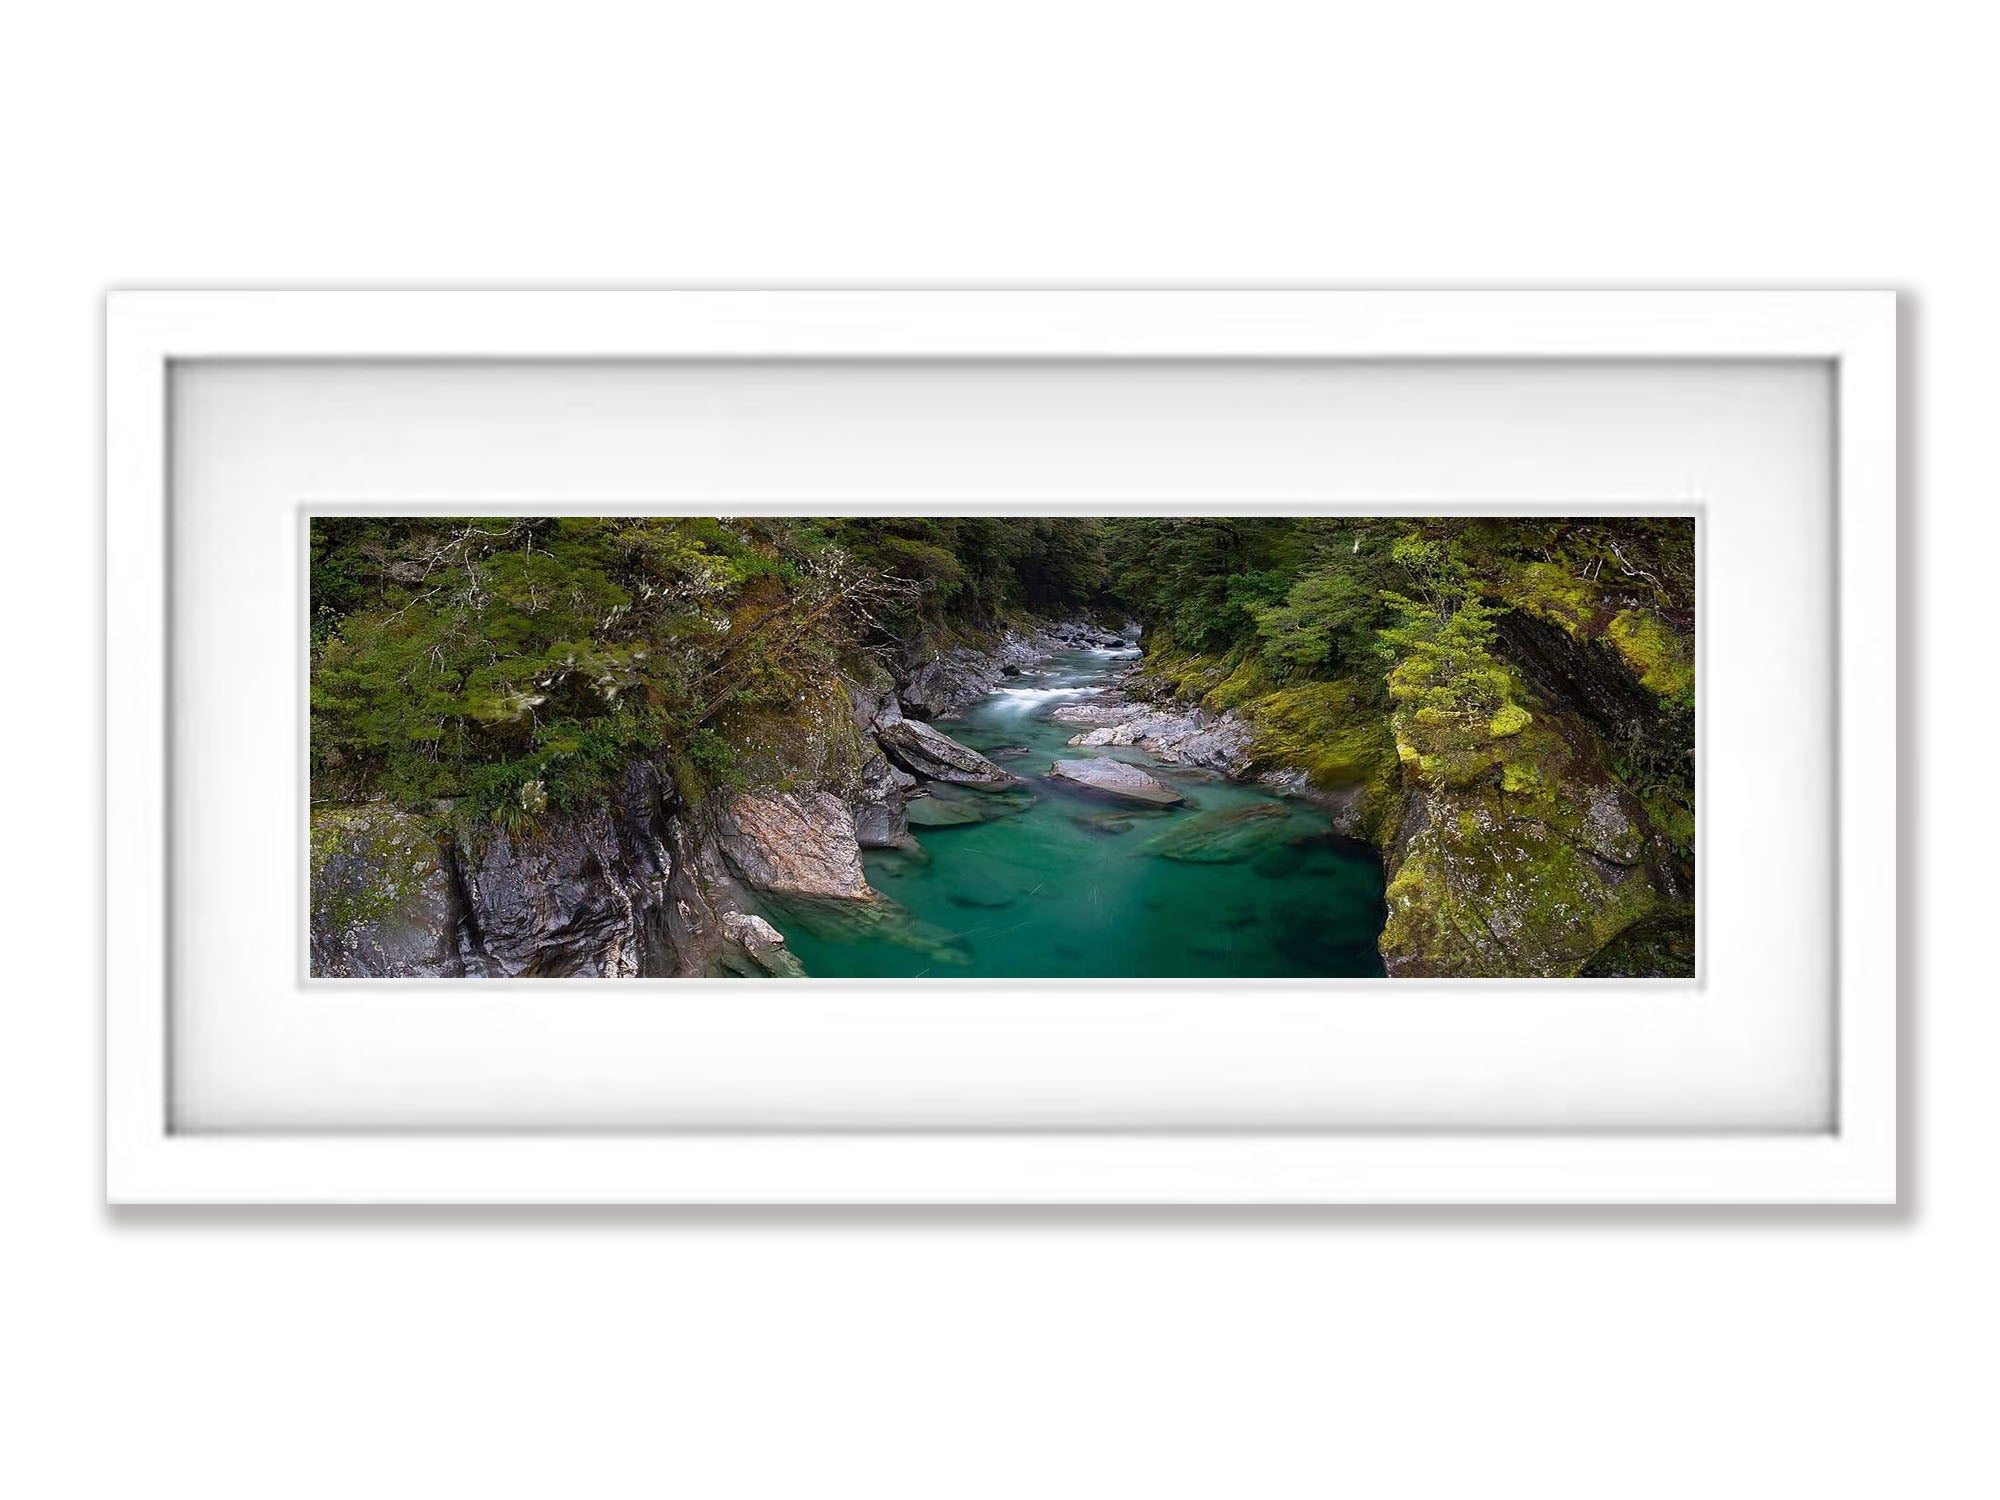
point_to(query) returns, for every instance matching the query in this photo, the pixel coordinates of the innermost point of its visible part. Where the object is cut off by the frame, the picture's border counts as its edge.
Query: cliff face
(612, 892)
(1524, 858)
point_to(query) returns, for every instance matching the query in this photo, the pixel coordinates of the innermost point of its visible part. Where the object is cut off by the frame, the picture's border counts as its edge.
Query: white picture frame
(1851, 1160)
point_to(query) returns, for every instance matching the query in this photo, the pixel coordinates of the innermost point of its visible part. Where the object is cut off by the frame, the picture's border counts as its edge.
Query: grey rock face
(880, 821)
(382, 898)
(610, 893)
(928, 753)
(1115, 778)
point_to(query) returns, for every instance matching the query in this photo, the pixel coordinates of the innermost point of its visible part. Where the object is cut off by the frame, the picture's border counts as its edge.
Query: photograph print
(1038, 747)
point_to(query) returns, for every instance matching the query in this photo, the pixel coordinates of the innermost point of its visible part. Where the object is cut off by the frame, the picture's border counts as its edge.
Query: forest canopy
(518, 662)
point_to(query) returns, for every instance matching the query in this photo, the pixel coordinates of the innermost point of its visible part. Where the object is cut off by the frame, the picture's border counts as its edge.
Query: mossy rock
(1338, 734)
(1552, 592)
(1521, 859)
(1661, 657)
(808, 742)
(380, 894)
(1479, 893)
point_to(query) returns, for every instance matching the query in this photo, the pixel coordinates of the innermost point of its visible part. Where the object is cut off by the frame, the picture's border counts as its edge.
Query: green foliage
(518, 664)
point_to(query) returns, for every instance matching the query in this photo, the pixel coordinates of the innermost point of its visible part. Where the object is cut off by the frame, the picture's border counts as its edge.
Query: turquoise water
(1057, 883)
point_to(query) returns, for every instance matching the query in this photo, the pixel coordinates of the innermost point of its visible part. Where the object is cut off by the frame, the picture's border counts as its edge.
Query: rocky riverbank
(656, 882)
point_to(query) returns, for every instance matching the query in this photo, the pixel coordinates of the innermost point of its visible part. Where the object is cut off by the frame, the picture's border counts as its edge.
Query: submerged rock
(1115, 778)
(1227, 835)
(927, 753)
(945, 806)
(1106, 824)
(762, 944)
(879, 919)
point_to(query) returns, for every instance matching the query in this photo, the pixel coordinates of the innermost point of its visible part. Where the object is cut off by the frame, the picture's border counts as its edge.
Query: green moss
(1662, 658)
(1247, 682)
(1338, 734)
(367, 862)
(806, 738)
(1488, 893)
(1511, 720)
(1552, 592)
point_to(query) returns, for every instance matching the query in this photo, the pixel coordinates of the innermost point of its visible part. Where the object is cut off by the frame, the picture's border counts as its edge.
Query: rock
(976, 898)
(1522, 860)
(1224, 746)
(613, 892)
(1108, 707)
(793, 843)
(879, 919)
(1186, 738)
(878, 801)
(382, 899)
(1115, 778)
(879, 821)
(1009, 752)
(1226, 835)
(945, 806)
(926, 752)
(762, 943)
(944, 685)
(1656, 947)
(1109, 825)
(904, 859)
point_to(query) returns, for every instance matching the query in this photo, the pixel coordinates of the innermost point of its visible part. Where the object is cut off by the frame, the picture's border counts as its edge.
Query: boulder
(926, 752)
(791, 843)
(879, 821)
(1109, 707)
(1105, 824)
(1115, 778)
(1191, 738)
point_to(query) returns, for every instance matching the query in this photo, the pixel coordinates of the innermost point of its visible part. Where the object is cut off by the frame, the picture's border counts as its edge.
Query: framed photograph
(1001, 747)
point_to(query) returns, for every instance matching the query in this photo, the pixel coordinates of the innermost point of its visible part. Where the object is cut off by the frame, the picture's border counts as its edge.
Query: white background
(1449, 1353)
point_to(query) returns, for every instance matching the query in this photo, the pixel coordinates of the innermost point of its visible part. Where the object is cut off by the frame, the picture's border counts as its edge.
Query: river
(1236, 883)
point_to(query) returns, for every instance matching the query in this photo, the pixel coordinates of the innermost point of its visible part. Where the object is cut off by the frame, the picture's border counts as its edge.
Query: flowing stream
(1049, 882)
